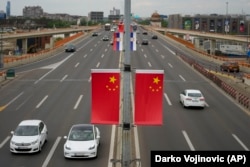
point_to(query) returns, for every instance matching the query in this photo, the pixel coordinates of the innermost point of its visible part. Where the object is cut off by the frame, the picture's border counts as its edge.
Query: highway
(57, 91)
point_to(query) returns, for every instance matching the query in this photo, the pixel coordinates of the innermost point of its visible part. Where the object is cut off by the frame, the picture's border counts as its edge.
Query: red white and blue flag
(133, 41)
(118, 41)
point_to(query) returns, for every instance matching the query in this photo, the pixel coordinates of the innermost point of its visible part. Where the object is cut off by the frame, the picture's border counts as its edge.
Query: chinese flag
(105, 96)
(148, 97)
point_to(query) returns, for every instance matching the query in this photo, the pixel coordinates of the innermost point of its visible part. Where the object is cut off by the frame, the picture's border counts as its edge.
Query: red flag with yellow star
(148, 97)
(105, 96)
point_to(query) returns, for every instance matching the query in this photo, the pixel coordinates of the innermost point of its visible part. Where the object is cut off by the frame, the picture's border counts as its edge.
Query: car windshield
(26, 131)
(81, 135)
(194, 95)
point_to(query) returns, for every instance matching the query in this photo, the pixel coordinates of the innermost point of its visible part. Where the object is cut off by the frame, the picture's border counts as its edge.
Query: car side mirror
(65, 137)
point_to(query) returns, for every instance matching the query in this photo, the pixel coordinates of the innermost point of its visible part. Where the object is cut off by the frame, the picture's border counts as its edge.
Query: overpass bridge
(209, 38)
(44, 35)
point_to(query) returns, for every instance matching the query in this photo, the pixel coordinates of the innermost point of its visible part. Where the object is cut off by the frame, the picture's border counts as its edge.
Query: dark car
(154, 37)
(70, 48)
(94, 34)
(144, 42)
(230, 67)
(145, 33)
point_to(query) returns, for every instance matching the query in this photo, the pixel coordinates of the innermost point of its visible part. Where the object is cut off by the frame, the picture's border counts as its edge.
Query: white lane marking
(157, 50)
(142, 50)
(145, 55)
(182, 78)
(188, 141)
(14, 99)
(240, 142)
(91, 50)
(149, 64)
(106, 50)
(46, 162)
(77, 64)
(102, 56)
(78, 102)
(85, 56)
(170, 65)
(206, 104)
(111, 148)
(5, 141)
(98, 64)
(89, 80)
(42, 101)
(167, 99)
(64, 78)
(162, 56)
(54, 67)
(169, 50)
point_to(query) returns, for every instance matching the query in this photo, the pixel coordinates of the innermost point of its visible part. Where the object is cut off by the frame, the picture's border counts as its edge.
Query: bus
(107, 27)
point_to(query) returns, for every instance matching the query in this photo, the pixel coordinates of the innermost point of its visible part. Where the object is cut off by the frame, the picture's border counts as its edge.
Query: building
(231, 24)
(8, 9)
(2, 15)
(115, 11)
(96, 16)
(155, 20)
(33, 12)
(114, 15)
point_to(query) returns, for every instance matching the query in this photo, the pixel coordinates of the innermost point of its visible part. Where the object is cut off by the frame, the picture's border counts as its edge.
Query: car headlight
(12, 142)
(91, 148)
(34, 142)
(67, 147)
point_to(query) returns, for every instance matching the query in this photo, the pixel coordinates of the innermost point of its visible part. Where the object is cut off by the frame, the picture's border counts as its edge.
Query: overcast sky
(142, 8)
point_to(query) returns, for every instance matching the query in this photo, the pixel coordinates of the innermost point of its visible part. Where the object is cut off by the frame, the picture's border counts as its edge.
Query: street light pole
(1, 53)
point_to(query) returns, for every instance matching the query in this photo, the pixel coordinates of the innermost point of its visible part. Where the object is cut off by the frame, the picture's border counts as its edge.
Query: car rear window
(194, 95)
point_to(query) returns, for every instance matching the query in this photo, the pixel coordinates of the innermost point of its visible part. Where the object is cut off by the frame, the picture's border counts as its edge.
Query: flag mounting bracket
(127, 67)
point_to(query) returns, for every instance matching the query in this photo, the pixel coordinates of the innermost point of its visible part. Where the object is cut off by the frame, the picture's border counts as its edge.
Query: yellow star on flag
(112, 79)
(156, 80)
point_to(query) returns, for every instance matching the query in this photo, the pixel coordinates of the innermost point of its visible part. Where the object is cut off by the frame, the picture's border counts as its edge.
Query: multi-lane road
(57, 91)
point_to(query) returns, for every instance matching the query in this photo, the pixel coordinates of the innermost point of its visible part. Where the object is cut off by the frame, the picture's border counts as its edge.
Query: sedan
(70, 48)
(82, 142)
(29, 137)
(192, 98)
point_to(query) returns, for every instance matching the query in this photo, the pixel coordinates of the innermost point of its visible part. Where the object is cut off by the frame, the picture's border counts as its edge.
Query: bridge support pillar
(24, 45)
(212, 47)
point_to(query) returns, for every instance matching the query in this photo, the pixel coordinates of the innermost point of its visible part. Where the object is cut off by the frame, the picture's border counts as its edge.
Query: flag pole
(126, 80)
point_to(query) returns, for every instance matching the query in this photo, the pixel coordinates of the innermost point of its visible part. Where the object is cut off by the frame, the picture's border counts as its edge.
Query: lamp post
(1, 51)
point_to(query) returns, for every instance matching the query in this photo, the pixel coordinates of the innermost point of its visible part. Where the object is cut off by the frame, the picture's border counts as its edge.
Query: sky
(141, 8)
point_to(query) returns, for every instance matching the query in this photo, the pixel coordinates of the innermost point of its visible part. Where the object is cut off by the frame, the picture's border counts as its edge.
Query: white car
(192, 98)
(29, 137)
(82, 141)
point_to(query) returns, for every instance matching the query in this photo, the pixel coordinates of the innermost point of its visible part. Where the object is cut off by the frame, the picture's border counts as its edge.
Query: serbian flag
(121, 27)
(133, 41)
(148, 97)
(105, 96)
(118, 41)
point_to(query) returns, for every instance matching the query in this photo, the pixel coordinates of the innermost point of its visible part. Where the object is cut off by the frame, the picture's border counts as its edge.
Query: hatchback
(29, 137)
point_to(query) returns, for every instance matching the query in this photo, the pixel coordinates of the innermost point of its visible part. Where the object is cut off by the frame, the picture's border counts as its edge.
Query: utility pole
(127, 109)
(1, 53)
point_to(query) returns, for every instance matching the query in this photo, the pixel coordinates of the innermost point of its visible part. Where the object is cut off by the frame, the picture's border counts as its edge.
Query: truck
(107, 27)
